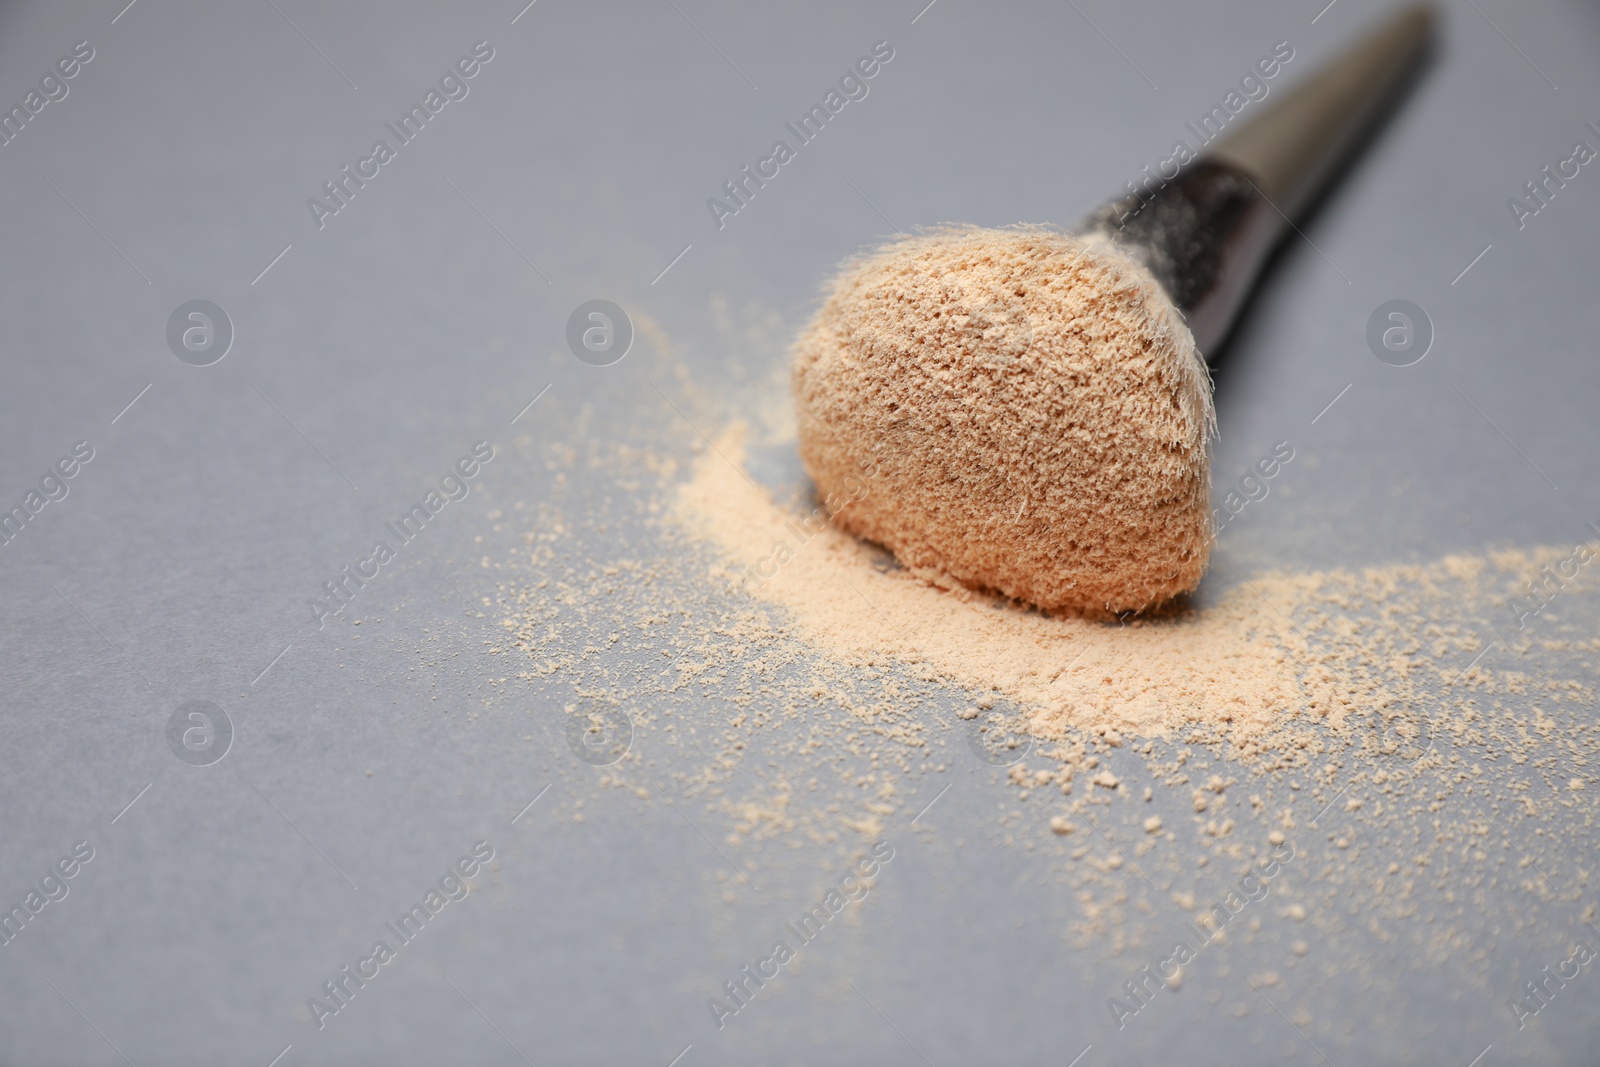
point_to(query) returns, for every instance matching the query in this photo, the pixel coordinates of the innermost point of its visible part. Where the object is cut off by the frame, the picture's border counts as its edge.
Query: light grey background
(424, 317)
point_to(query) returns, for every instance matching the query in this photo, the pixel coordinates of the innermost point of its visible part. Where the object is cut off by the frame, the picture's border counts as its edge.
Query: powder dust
(1227, 667)
(796, 693)
(1368, 692)
(791, 623)
(1278, 656)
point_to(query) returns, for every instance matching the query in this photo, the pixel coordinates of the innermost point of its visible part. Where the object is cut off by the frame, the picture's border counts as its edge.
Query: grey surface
(179, 564)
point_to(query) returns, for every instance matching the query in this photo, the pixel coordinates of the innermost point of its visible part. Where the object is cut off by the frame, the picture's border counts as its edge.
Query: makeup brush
(1027, 411)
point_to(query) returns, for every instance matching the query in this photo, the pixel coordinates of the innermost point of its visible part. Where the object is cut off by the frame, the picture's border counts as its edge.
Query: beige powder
(1030, 411)
(1230, 667)
(1276, 656)
(1434, 768)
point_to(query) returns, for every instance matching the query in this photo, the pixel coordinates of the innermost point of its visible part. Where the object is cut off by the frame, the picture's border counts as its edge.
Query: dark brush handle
(1206, 233)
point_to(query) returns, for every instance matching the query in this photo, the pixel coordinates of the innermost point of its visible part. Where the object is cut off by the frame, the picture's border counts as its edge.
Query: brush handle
(1206, 233)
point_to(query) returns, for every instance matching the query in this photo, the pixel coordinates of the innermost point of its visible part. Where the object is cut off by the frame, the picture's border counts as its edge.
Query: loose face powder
(1012, 410)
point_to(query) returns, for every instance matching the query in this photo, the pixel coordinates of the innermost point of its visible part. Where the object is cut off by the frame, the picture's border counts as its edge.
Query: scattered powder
(1336, 687)
(1378, 736)
(1146, 677)
(1431, 764)
(1273, 658)
(1031, 412)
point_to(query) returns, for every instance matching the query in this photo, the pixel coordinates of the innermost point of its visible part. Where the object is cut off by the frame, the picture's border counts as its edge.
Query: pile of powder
(1016, 411)
(1240, 666)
